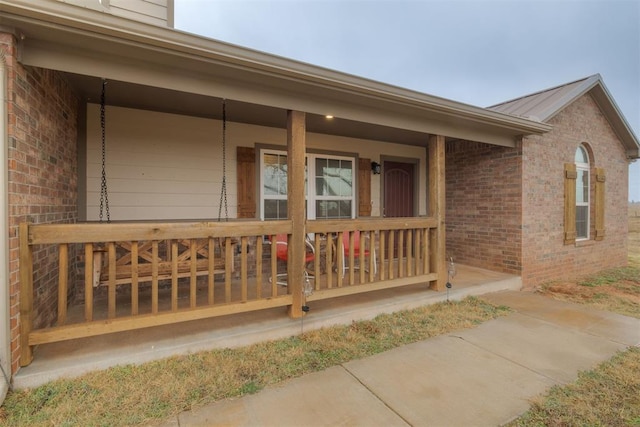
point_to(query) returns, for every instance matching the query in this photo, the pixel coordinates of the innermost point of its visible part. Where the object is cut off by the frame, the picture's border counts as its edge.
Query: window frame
(583, 169)
(310, 188)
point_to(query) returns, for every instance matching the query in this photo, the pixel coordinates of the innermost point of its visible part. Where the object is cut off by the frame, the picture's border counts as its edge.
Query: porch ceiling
(169, 70)
(131, 95)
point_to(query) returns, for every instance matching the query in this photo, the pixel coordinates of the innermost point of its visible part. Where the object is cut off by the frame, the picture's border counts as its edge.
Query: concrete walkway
(481, 376)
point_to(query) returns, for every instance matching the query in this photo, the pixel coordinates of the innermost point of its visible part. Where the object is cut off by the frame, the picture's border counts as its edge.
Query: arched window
(582, 181)
(582, 193)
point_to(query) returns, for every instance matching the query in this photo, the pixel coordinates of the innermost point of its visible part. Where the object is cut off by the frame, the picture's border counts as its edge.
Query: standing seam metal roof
(543, 105)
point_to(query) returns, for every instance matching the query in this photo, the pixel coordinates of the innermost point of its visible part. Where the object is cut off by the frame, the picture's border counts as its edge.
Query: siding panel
(165, 166)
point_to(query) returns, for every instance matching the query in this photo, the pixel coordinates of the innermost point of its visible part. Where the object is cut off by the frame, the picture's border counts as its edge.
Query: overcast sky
(478, 52)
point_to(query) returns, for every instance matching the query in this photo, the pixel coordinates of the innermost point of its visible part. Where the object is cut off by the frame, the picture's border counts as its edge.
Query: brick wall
(545, 257)
(42, 132)
(483, 212)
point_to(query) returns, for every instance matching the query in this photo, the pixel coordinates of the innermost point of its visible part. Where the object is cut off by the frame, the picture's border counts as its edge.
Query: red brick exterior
(545, 257)
(42, 132)
(484, 209)
(505, 206)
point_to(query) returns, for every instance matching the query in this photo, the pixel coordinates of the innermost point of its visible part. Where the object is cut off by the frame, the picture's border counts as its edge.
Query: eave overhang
(67, 38)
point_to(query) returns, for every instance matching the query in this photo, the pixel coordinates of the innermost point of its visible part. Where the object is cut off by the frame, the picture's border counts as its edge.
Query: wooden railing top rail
(132, 231)
(366, 224)
(115, 232)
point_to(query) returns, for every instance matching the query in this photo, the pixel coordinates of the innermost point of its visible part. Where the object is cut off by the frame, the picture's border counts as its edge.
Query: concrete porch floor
(73, 358)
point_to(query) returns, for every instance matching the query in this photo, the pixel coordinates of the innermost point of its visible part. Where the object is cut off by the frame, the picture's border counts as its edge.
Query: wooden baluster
(258, 267)
(361, 252)
(111, 306)
(154, 277)
(274, 266)
(316, 262)
(174, 275)
(392, 234)
(383, 235)
(425, 251)
(340, 258)
(418, 251)
(352, 262)
(401, 253)
(134, 279)
(228, 254)
(193, 282)
(244, 282)
(329, 260)
(410, 253)
(212, 267)
(372, 257)
(88, 282)
(63, 277)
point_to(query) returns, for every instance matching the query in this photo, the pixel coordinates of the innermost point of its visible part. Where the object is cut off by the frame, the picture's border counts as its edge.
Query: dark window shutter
(364, 187)
(246, 169)
(570, 176)
(599, 202)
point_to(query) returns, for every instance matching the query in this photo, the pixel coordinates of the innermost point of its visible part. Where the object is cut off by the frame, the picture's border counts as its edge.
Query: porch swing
(166, 259)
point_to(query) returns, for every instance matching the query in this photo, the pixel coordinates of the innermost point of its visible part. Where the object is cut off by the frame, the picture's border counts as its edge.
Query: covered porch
(72, 358)
(165, 261)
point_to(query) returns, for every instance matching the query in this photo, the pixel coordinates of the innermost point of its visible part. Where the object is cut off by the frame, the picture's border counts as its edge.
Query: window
(274, 185)
(330, 194)
(579, 209)
(582, 193)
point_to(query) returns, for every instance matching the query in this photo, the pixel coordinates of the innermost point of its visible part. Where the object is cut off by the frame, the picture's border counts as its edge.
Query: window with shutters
(330, 192)
(583, 216)
(582, 193)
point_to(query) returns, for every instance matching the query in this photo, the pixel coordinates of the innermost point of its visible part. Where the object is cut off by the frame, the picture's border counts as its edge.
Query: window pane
(334, 177)
(582, 214)
(345, 209)
(275, 175)
(333, 209)
(581, 155)
(275, 209)
(326, 209)
(346, 179)
(582, 186)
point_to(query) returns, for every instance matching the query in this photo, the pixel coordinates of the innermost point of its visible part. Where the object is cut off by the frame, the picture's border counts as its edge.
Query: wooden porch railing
(162, 303)
(393, 252)
(158, 266)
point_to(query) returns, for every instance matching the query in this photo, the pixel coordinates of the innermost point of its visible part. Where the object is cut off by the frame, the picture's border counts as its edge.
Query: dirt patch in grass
(606, 396)
(616, 290)
(136, 395)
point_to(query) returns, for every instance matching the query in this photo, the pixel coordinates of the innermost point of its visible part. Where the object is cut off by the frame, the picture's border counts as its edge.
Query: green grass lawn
(137, 395)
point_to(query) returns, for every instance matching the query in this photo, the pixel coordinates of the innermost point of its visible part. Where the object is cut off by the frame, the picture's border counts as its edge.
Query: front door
(399, 180)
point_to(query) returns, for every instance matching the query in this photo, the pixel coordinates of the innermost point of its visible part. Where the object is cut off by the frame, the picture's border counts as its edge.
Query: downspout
(5, 332)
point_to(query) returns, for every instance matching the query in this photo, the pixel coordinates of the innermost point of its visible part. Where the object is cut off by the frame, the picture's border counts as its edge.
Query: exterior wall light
(375, 168)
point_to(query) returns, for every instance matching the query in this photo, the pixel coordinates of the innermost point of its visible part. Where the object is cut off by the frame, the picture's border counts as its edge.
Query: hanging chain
(104, 197)
(223, 190)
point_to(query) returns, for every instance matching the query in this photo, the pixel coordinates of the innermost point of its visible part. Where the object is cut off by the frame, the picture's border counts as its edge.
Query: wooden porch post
(437, 200)
(26, 295)
(296, 147)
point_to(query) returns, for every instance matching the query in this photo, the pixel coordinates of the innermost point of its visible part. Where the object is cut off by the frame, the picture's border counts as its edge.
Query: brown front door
(399, 180)
(398, 192)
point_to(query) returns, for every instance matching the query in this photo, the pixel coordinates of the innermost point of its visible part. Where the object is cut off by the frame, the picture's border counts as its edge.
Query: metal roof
(545, 104)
